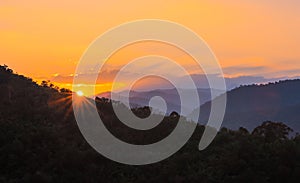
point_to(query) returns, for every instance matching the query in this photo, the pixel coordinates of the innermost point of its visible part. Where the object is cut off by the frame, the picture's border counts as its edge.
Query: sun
(80, 93)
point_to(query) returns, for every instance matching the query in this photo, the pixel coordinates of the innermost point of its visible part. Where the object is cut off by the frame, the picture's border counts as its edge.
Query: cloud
(105, 76)
(201, 81)
(244, 69)
(108, 75)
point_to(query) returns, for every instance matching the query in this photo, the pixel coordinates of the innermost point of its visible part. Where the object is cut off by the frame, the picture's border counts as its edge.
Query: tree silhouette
(174, 114)
(272, 131)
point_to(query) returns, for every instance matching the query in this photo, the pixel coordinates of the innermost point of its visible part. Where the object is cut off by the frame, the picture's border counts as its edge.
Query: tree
(64, 90)
(272, 131)
(243, 131)
(45, 83)
(174, 114)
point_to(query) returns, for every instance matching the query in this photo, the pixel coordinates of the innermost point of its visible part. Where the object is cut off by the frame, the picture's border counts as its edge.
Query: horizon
(257, 81)
(238, 81)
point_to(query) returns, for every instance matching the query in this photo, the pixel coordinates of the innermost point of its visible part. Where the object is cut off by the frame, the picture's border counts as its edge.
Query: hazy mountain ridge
(279, 101)
(171, 96)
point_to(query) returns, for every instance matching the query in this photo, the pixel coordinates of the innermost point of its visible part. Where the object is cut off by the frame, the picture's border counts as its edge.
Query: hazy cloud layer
(150, 83)
(244, 69)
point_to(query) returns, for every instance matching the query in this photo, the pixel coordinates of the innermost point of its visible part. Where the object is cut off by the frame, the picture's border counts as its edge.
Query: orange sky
(45, 39)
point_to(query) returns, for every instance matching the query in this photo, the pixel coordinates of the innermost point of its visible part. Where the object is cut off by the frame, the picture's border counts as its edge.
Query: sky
(45, 39)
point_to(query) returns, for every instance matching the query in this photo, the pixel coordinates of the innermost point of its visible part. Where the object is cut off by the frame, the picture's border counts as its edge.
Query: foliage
(272, 131)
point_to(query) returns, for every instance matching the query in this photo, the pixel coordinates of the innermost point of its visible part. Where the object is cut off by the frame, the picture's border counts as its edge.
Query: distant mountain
(171, 96)
(247, 106)
(201, 81)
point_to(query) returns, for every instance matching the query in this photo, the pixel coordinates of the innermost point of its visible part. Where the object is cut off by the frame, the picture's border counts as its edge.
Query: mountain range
(171, 97)
(247, 106)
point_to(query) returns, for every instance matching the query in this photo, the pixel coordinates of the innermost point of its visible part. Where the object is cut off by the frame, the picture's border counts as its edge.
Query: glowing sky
(45, 39)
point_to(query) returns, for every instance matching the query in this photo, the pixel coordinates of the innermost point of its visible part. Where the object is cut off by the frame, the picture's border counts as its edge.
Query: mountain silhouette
(171, 97)
(247, 105)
